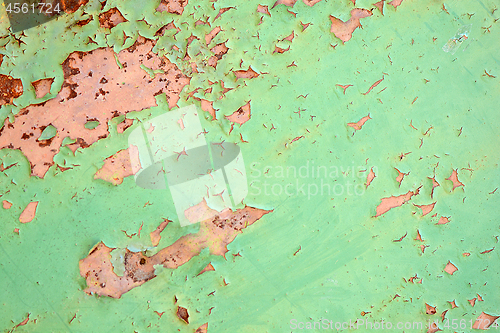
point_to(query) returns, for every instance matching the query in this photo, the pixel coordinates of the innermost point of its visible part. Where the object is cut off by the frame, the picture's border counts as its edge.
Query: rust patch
(395, 3)
(42, 86)
(155, 235)
(426, 209)
(380, 6)
(10, 88)
(311, 3)
(343, 30)
(29, 212)
(429, 309)
(116, 168)
(357, 126)
(450, 268)
(207, 268)
(214, 233)
(183, 314)
(443, 220)
(371, 175)
(246, 74)
(208, 106)
(71, 6)
(202, 329)
(392, 202)
(289, 3)
(484, 321)
(172, 6)
(242, 115)
(454, 180)
(219, 50)
(263, 9)
(400, 176)
(212, 34)
(82, 81)
(111, 18)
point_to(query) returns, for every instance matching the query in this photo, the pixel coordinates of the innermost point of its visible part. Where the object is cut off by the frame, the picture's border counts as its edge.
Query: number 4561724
(24, 8)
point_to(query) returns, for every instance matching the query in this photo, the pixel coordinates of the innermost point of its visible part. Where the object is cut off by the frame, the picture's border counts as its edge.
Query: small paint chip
(207, 268)
(202, 329)
(395, 3)
(429, 309)
(370, 177)
(155, 235)
(42, 87)
(426, 209)
(6, 204)
(183, 314)
(443, 220)
(263, 9)
(344, 30)
(242, 115)
(454, 180)
(246, 74)
(29, 212)
(357, 126)
(450, 268)
(393, 201)
(159, 313)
